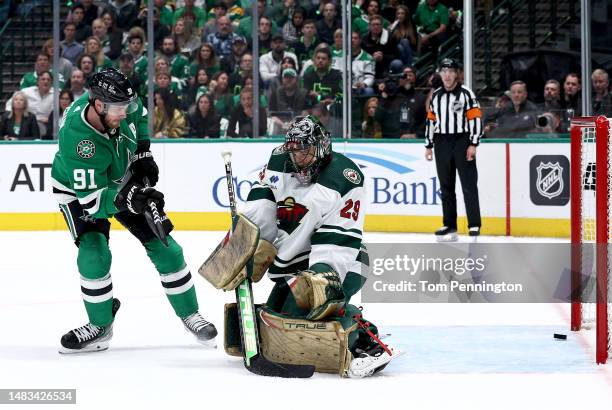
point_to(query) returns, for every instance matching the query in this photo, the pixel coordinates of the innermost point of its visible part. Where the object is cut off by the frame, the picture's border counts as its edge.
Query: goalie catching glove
(319, 291)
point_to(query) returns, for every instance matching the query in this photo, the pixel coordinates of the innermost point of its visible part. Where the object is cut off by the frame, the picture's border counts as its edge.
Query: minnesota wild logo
(289, 214)
(86, 149)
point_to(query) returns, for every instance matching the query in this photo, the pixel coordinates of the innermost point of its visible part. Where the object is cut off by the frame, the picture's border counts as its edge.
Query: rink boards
(524, 186)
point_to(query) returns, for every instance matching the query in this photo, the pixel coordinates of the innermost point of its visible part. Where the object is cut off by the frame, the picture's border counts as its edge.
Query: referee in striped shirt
(454, 128)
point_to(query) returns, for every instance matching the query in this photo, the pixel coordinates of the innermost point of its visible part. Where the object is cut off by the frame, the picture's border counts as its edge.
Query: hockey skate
(446, 234)
(474, 233)
(89, 338)
(367, 363)
(204, 331)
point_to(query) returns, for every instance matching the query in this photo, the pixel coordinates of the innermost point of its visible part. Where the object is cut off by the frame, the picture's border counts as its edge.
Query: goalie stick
(254, 360)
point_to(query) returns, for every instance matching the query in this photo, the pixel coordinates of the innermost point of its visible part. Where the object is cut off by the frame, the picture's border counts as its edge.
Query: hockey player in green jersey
(104, 168)
(308, 210)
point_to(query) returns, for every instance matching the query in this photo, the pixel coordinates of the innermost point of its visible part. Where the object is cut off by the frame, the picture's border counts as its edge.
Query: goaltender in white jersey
(309, 202)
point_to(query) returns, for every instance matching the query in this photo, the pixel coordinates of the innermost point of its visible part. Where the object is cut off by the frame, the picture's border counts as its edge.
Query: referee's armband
(473, 113)
(431, 116)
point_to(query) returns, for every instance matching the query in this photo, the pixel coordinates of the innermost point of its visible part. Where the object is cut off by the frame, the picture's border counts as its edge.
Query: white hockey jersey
(318, 223)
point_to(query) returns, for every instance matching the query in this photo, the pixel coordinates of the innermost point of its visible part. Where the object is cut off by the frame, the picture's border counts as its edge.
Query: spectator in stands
(204, 122)
(241, 120)
(18, 123)
(602, 99)
(239, 49)
(292, 29)
(431, 18)
(223, 39)
(211, 26)
(205, 58)
(135, 42)
(65, 66)
(162, 66)
(196, 88)
(169, 121)
(184, 38)
(77, 16)
(126, 67)
(305, 46)
(401, 109)
(126, 12)
(93, 47)
(337, 52)
(87, 64)
(552, 96)
(282, 11)
(40, 100)
(191, 12)
(219, 89)
(362, 23)
(269, 63)
(77, 83)
(363, 68)
(379, 43)
(166, 12)
(179, 64)
(91, 11)
(244, 69)
(571, 94)
(328, 24)
(160, 30)
(324, 84)
(265, 35)
(404, 33)
(43, 64)
(70, 49)
(370, 127)
(289, 97)
(112, 43)
(65, 99)
(234, 11)
(519, 118)
(246, 23)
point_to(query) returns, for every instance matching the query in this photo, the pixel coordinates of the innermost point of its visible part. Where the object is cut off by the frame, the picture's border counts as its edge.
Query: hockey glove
(143, 165)
(136, 198)
(318, 292)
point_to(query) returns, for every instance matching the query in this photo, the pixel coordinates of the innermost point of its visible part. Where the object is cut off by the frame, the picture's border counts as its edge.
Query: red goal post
(591, 192)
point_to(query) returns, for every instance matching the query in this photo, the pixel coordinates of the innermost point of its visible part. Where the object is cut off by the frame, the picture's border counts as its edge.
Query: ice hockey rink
(477, 356)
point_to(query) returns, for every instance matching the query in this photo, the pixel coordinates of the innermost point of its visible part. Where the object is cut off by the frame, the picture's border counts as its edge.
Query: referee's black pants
(450, 153)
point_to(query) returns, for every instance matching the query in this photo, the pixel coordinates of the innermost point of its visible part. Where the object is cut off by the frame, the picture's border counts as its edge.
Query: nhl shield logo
(550, 179)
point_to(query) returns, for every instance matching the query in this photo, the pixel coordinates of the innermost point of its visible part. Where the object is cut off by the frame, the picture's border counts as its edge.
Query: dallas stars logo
(86, 149)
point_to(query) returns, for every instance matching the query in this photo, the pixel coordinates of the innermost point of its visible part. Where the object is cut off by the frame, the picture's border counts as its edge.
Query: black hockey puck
(560, 336)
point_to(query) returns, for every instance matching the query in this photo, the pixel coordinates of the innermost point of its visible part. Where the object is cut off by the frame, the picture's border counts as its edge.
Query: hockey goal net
(591, 193)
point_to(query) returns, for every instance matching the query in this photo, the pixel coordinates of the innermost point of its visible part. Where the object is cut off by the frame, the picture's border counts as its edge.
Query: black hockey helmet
(304, 133)
(449, 63)
(114, 89)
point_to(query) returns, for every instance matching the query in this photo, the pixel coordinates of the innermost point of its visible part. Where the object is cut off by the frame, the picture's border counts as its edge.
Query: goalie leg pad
(323, 344)
(224, 267)
(262, 259)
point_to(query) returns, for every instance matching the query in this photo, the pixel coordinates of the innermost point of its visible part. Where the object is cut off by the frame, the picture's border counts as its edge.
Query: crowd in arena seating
(202, 76)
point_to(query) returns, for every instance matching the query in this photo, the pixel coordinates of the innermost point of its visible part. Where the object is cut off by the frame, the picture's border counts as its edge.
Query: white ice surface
(476, 356)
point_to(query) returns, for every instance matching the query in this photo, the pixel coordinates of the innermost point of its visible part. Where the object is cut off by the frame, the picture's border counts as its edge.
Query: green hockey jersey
(90, 165)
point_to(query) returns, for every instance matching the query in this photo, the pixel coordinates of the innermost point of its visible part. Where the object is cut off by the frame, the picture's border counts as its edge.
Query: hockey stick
(254, 360)
(154, 219)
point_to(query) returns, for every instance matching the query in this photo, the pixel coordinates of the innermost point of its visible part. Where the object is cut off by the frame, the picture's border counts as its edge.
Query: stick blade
(263, 367)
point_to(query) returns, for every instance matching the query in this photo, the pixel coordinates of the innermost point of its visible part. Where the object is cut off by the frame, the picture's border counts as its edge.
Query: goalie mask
(309, 146)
